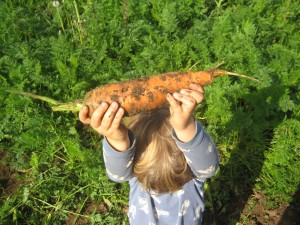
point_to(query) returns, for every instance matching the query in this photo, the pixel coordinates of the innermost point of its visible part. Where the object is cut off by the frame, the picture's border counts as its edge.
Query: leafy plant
(62, 49)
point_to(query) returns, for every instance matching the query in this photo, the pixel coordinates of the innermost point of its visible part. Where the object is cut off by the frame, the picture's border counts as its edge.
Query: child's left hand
(182, 106)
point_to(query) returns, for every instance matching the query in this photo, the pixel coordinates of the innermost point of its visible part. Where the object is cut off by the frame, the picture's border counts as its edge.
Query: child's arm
(119, 164)
(200, 152)
(118, 143)
(191, 138)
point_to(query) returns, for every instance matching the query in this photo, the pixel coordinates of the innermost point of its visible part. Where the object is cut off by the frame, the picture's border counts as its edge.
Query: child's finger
(117, 121)
(187, 101)
(109, 115)
(84, 115)
(198, 96)
(172, 101)
(98, 115)
(197, 87)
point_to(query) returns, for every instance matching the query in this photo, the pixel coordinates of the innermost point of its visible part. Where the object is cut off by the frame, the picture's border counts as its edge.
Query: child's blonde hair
(159, 165)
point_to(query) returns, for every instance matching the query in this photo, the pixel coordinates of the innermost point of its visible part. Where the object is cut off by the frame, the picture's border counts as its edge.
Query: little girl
(164, 154)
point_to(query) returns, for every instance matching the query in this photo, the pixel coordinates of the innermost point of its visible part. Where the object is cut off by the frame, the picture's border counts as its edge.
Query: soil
(284, 214)
(8, 179)
(91, 208)
(254, 211)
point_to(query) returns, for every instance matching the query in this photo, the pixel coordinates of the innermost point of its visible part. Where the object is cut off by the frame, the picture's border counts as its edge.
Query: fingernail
(119, 112)
(183, 91)
(114, 104)
(176, 94)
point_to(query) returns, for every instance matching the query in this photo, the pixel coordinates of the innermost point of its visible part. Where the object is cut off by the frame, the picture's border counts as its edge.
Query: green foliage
(282, 162)
(62, 52)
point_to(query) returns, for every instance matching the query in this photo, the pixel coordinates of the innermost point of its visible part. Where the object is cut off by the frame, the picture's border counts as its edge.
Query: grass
(51, 168)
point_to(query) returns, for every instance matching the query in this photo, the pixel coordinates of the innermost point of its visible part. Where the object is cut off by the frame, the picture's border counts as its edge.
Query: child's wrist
(181, 126)
(186, 133)
(119, 145)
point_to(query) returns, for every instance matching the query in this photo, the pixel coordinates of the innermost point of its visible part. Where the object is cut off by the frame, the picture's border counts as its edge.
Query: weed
(62, 49)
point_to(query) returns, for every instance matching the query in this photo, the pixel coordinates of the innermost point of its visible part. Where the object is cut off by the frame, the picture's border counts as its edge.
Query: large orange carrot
(139, 95)
(148, 93)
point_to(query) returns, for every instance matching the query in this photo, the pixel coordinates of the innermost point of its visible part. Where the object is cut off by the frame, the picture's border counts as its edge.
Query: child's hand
(107, 121)
(182, 106)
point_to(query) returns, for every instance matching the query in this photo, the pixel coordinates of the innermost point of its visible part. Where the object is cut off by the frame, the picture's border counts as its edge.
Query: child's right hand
(107, 121)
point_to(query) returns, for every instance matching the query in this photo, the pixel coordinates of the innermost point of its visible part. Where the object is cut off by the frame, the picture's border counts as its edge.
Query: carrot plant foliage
(51, 168)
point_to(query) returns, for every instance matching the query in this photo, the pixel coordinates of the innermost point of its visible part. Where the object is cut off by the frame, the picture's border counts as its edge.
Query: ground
(259, 215)
(253, 213)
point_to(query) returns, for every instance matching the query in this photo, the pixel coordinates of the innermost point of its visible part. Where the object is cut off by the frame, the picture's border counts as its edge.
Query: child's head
(159, 165)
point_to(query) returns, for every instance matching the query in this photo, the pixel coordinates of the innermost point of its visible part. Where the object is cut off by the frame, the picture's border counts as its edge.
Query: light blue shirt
(185, 206)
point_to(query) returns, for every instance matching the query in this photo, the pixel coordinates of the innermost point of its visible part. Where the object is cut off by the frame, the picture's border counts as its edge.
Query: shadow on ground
(254, 121)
